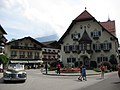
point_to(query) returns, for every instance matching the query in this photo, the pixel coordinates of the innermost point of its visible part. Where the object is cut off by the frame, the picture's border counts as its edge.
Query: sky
(38, 18)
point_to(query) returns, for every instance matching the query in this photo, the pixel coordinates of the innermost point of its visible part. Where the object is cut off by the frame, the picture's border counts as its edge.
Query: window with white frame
(13, 53)
(36, 55)
(71, 60)
(67, 48)
(22, 54)
(106, 45)
(96, 33)
(102, 59)
(97, 46)
(29, 55)
(74, 47)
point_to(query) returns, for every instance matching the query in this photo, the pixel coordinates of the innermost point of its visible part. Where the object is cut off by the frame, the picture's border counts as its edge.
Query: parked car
(14, 72)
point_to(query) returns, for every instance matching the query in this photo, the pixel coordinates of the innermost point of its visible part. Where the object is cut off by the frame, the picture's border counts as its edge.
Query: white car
(14, 72)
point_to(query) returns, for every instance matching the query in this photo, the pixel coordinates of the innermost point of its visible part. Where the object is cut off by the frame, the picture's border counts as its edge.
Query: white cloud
(37, 17)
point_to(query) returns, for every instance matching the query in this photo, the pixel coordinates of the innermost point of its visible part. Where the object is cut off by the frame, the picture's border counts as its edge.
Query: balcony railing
(25, 48)
(49, 52)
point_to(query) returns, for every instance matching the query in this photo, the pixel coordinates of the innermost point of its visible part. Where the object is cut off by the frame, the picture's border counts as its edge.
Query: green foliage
(113, 60)
(98, 70)
(93, 64)
(3, 59)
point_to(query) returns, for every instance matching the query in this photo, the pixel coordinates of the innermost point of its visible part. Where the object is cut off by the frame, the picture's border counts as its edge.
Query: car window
(16, 66)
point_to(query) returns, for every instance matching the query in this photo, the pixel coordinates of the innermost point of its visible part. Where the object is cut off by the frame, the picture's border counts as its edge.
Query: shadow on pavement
(1, 80)
(116, 82)
(10, 82)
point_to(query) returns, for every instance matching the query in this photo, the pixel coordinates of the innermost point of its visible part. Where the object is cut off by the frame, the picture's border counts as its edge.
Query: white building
(88, 42)
(25, 50)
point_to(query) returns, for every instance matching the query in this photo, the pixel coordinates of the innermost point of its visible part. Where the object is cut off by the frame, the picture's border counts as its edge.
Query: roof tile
(85, 15)
(109, 25)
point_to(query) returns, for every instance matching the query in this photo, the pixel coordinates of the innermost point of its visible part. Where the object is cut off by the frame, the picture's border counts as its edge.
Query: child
(80, 77)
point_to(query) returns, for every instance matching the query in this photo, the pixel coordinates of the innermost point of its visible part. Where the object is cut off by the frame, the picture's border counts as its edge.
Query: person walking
(102, 68)
(58, 68)
(80, 77)
(83, 74)
(118, 70)
(46, 67)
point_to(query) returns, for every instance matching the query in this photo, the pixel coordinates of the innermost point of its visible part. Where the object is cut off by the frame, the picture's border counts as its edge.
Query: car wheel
(5, 81)
(23, 81)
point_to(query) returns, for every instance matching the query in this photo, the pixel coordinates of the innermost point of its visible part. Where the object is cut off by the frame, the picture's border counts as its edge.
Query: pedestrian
(46, 66)
(80, 77)
(118, 70)
(58, 68)
(83, 74)
(102, 68)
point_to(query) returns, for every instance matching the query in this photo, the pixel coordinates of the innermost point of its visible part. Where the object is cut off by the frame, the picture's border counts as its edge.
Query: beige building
(88, 42)
(25, 50)
(3, 40)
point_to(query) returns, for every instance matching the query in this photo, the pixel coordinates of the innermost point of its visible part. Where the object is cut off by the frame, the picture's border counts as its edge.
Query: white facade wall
(105, 36)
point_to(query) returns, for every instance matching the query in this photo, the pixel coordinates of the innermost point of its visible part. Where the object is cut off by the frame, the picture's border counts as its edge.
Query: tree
(113, 61)
(93, 64)
(3, 60)
(108, 64)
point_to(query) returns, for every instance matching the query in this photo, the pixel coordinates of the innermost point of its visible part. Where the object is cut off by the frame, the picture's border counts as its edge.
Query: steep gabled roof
(85, 38)
(2, 30)
(85, 15)
(109, 25)
(48, 42)
(30, 38)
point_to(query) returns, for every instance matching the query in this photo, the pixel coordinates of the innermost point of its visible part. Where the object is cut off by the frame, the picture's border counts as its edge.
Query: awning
(36, 61)
(15, 61)
(26, 61)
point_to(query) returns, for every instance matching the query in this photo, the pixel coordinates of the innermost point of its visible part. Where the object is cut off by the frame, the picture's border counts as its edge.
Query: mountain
(47, 38)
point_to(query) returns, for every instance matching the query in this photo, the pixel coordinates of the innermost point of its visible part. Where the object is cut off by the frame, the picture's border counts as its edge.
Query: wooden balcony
(25, 48)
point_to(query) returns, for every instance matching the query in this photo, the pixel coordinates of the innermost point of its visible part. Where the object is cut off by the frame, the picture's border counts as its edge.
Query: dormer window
(96, 34)
(88, 26)
(81, 27)
(75, 36)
